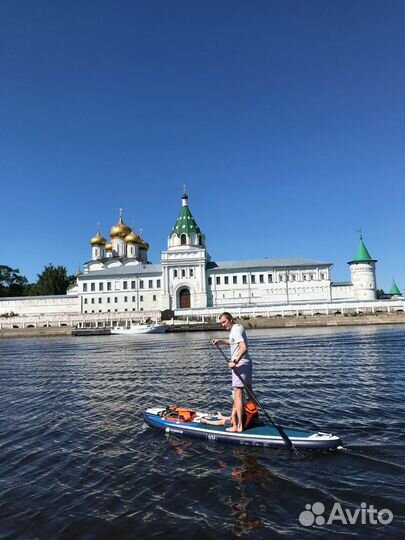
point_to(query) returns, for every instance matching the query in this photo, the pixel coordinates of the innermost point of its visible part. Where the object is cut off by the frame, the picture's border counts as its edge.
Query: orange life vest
(179, 414)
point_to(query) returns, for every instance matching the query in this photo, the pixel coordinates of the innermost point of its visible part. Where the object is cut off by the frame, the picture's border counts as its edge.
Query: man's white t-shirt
(236, 336)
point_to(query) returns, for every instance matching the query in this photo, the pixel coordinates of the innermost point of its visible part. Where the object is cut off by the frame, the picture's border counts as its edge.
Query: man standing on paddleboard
(240, 360)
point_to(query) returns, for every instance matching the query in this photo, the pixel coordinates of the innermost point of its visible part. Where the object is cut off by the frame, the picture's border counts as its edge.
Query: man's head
(226, 320)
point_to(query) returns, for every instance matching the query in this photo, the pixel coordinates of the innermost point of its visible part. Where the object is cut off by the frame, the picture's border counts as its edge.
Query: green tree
(380, 293)
(53, 280)
(11, 282)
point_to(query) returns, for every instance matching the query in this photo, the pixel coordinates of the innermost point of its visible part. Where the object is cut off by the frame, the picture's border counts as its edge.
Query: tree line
(53, 280)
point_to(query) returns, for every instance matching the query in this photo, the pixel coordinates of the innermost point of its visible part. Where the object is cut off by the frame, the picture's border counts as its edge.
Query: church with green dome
(120, 278)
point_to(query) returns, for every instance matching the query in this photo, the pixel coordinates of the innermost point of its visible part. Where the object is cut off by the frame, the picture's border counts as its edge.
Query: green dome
(185, 223)
(394, 289)
(362, 253)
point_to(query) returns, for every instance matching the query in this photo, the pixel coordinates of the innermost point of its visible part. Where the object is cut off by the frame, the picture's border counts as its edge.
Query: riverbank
(300, 321)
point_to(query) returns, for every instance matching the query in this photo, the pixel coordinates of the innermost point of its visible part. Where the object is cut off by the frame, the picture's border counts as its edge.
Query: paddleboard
(258, 434)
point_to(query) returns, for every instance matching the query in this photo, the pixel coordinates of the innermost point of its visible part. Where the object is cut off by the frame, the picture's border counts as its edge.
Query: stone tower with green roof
(184, 263)
(362, 269)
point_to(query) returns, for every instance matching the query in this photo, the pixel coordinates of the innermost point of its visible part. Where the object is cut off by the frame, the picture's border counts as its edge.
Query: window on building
(226, 280)
(141, 298)
(154, 297)
(235, 280)
(150, 285)
(116, 300)
(133, 284)
(174, 273)
(210, 281)
(101, 286)
(85, 300)
(125, 298)
(304, 277)
(133, 299)
(183, 272)
(253, 278)
(92, 286)
(100, 300)
(218, 280)
(108, 300)
(244, 280)
(269, 278)
(281, 277)
(92, 300)
(158, 284)
(141, 284)
(191, 272)
(183, 239)
(261, 278)
(108, 285)
(125, 285)
(84, 287)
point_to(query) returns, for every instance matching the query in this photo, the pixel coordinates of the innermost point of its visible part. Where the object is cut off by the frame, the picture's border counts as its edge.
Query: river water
(77, 462)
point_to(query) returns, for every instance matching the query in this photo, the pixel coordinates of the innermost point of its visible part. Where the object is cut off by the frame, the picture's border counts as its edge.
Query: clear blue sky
(285, 119)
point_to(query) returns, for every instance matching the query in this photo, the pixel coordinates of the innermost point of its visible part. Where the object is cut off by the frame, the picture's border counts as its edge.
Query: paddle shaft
(251, 394)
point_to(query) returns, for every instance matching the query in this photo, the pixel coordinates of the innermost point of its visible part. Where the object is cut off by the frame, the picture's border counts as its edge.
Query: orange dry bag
(251, 411)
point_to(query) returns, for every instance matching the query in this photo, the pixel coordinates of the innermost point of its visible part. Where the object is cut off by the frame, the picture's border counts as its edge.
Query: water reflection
(248, 475)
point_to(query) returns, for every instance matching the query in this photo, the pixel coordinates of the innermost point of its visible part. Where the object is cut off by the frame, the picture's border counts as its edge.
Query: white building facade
(119, 277)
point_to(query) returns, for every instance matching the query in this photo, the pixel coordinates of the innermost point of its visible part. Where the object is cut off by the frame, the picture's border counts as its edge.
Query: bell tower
(184, 263)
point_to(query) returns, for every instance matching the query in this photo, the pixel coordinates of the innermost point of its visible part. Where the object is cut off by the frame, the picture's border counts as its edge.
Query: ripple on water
(78, 462)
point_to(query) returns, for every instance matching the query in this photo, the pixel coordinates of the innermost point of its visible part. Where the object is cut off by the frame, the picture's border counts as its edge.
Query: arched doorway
(184, 298)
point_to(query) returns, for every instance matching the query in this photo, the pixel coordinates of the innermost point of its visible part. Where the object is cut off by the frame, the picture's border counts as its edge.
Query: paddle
(251, 394)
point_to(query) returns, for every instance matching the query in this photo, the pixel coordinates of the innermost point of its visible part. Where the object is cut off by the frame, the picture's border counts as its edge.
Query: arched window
(183, 239)
(185, 298)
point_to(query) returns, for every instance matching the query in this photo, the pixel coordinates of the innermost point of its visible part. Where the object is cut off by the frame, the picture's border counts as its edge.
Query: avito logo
(314, 514)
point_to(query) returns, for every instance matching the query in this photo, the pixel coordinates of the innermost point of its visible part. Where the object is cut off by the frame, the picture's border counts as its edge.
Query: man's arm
(220, 341)
(243, 349)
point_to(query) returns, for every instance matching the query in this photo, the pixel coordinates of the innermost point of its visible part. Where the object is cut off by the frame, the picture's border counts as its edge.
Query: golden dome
(120, 230)
(98, 240)
(142, 243)
(132, 238)
(108, 247)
